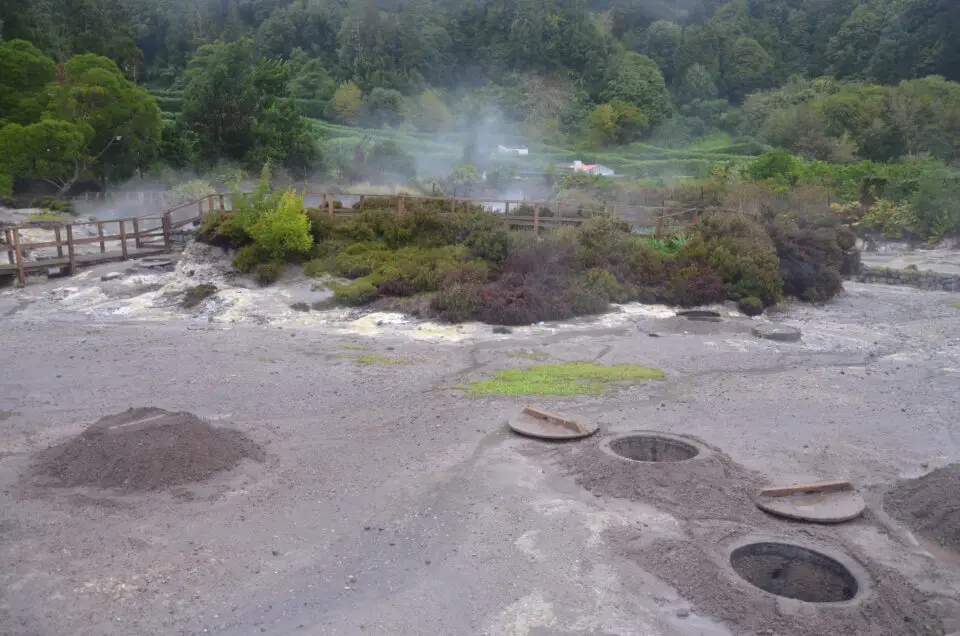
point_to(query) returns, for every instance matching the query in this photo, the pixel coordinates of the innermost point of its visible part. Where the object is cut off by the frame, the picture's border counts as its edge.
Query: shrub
(195, 295)
(750, 306)
(892, 219)
(738, 249)
(695, 285)
(317, 267)
(284, 230)
(458, 302)
(300, 307)
(811, 258)
(248, 258)
(358, 292)
(269, 272)
(222, 230)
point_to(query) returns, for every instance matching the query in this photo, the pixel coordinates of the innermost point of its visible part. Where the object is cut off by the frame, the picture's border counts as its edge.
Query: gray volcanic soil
(389, 502)
(930, 505)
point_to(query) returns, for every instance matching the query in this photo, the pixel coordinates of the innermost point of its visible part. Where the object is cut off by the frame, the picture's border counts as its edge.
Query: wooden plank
(828, 486)
(166, 231)
(103, 246)
(56, 233)
(551, 417)
(71, 252)
(123, 240)
(18, 255)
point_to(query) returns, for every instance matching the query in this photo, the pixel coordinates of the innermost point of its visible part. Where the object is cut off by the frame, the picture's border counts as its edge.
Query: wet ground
(391, 503)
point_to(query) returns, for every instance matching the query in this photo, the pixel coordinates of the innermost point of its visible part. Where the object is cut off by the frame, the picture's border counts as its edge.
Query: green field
(638, 160)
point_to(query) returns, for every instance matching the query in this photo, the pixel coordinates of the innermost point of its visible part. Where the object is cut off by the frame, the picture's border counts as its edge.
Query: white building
(503, 150)
(594, 169)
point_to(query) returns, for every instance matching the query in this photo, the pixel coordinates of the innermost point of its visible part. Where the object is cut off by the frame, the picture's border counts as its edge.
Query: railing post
(166, 231)
(200, 208)
(400, 205)
(56, 235)
(453, 205)
(222, 208)
(18, 255)
(330, 205)
(71, 252)
(362, 200)
(136, 233)
(536, 220)
(103, 245)
(9, 239)
(658, 231)
(123, 240)
(506, 208)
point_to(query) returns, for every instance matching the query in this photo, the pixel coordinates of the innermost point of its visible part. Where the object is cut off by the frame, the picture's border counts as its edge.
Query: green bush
(269, 272)
(283, 231)
(739, 251)
(358, 292)
(248, 258)
(222, 230)
(458, 302)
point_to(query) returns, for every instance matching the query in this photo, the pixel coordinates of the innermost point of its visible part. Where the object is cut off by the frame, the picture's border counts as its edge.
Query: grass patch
(538, 356)
(351, 345)
(957, 305)
(376, 359)
(569, 378)
(50, 216)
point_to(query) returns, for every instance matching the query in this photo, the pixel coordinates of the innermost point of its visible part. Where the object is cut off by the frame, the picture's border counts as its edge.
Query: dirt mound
(144, 449)
(930, 505)
(709, 486)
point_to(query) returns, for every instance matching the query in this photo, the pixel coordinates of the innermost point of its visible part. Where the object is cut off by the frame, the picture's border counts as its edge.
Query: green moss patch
(569, 378)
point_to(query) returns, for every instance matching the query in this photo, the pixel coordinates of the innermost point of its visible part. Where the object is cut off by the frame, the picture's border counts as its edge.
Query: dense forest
(105, 90)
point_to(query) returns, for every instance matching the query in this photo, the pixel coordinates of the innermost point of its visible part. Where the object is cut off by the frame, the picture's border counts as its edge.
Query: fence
(136, 237)
(535, 215)
(133, 237)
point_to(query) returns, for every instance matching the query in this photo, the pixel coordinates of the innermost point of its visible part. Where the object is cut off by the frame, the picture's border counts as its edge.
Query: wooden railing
(118, 240)
(135, 237)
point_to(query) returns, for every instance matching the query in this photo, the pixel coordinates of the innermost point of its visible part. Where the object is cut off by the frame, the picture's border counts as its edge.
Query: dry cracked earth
(390, 502)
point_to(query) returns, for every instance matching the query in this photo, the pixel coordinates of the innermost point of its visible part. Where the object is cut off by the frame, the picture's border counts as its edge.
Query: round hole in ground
(653, 448)
(794, 572)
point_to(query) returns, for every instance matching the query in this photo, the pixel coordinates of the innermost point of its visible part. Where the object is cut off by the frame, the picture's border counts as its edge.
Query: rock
(112, 276)
(780, 333)
(683, 612)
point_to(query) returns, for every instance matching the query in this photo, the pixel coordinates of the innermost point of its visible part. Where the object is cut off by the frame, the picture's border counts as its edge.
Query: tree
(124, 118)
(748, 68)
(54, 151)
(662, 44)
(616, 123)
(431, 114)
(636, 79)
(463, 179)
(346, 103)
(24, 75)
(234, 108)
(383, 107)
(697, 84)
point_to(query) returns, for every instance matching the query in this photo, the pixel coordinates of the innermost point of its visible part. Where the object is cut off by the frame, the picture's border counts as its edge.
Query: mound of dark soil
(930, 505)
(144, 449)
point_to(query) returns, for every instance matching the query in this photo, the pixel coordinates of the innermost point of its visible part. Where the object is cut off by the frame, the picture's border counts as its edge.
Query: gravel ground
(389, 503)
